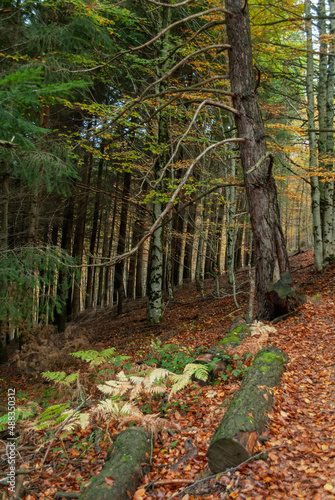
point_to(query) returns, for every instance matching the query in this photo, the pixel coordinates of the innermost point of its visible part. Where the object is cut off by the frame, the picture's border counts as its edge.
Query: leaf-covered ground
(300, 438)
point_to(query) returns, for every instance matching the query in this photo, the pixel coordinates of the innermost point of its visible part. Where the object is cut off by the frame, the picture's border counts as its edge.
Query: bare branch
(259, 163)
(220, 46)
(167, 209)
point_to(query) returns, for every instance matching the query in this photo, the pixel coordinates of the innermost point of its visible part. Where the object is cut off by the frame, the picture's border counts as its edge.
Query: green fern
(61, 377)
(181, 381)
(96, 358)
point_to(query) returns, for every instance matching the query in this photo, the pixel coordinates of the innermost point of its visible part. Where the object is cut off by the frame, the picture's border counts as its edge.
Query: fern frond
(117, 409)
(158, 374)
(157, 389)
(136, 391)
(54, 376)
(52, 412)
(122, 377)
(107, 353)
(88, 356)
(181, 381)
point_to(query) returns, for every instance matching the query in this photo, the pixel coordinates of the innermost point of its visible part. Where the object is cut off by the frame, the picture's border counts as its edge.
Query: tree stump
(282, 297)
(245, 419)
(122, 472)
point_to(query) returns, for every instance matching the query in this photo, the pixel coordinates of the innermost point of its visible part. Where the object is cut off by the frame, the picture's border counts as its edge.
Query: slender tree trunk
(139, 292)
(210, 246)
(79, 236)
(257, 165)
(199, 273)
(230, 225)
(62, 315)
(313, 162)
(96, 213)
(133, 260)
(167, 261)
(107, 270)
(4, 247)
(188, 256)
(119, 267)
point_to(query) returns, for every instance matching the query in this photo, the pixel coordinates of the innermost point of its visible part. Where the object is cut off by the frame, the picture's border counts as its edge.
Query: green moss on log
(125, 459)
(247, 413)
(235, 337)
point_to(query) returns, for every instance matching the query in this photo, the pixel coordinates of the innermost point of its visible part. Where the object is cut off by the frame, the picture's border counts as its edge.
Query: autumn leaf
(109, 480)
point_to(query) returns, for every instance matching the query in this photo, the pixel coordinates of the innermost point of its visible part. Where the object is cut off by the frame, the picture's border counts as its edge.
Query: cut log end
(226, 453)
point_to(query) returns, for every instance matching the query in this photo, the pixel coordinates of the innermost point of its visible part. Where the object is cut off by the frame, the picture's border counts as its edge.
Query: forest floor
(300, 443)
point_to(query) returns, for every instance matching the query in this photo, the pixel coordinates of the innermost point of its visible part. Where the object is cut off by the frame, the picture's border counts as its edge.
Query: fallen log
(246, 416)
(122, 472)
(238, 332)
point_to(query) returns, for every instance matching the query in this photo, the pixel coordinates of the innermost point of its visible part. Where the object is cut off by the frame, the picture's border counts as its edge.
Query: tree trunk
(235, 438)
(61, 316)
(199, 269)
(155, 281)
(325, 98)
(188, 256)
(79, 237)
(123, 471)
(256, 162)
(210, 246)
(107, 269)
(119, 267)
(96, 210)
(133, 259)
(313, 162)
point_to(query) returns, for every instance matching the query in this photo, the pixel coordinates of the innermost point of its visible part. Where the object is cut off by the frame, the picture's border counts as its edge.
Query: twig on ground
(232, 469)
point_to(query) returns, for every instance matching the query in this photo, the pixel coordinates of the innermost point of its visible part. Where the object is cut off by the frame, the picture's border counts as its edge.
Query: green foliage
(23, 93)
(61, 377)
(96, 358)
(171, 356)
(20, 414)
(25, 273)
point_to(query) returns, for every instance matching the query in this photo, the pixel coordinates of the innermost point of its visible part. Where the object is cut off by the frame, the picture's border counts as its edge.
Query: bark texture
(256, 162)
(236, 436)
(122, 473)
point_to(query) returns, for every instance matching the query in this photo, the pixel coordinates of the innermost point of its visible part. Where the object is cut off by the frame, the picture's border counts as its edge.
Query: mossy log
(123, 470)
(282, 297)
(245, 418)
(238, 332)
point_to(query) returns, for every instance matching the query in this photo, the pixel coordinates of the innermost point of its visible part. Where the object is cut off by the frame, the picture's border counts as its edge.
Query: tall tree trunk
(199, 272)
(177, 243)
(133, 259)
(256, 162)
(325, 99)
(62, 315)
(107, 269)
(190, 229)
(210, 246)
(313, 162)
(79, 236)
(121, 246)
(230, 224)
(96, 210)
(155, 281)
(4, 247)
